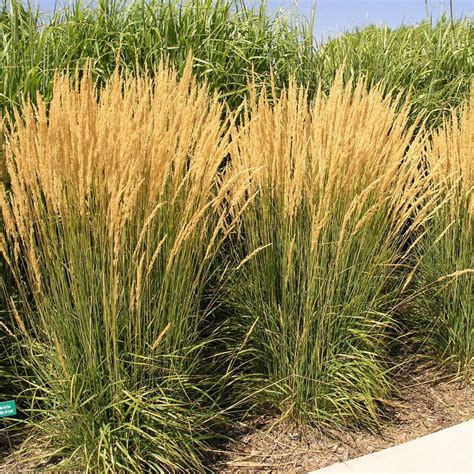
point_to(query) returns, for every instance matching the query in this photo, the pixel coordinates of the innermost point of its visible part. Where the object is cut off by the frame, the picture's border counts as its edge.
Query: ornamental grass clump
(113, 220)
(443, 310)
(323, 241)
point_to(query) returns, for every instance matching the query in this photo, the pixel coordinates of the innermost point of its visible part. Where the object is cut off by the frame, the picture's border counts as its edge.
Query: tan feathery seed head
(451, 154)
(122, 149)
(326, 152)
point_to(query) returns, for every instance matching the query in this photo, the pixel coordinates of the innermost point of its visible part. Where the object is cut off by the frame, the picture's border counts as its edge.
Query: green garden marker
(7, 408)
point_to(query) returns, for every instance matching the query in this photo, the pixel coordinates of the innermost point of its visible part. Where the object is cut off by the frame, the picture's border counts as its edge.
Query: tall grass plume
(112, 223)
(323, 242)
(443, 319)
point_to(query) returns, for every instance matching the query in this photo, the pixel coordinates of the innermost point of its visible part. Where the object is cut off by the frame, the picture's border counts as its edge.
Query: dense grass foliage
(243, 228)
(229, 42)
(443, 313)
(334, 205)
(428, 63)
(112, 225)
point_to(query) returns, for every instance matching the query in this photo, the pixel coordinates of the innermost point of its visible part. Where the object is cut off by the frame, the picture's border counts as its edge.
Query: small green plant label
(7, 408)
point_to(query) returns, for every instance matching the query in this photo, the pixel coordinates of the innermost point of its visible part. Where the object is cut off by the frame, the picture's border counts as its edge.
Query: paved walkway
(450, 451)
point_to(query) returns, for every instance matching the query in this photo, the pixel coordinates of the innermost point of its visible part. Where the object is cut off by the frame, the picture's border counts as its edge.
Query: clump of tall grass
(113, 222)
(322, 245)
(444, 307)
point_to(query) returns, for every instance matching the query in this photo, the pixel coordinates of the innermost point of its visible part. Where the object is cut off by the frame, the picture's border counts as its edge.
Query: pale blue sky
(334, 16)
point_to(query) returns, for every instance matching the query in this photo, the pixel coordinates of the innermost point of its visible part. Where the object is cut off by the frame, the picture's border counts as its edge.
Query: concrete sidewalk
(449, 451)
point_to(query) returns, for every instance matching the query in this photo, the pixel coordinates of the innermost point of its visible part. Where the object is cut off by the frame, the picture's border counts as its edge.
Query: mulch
(427, 401)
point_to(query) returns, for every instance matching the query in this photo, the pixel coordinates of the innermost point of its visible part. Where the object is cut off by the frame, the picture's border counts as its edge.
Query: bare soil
(427, 402)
